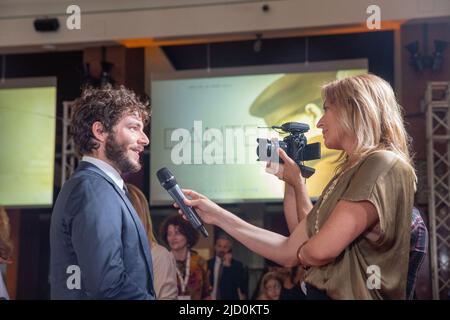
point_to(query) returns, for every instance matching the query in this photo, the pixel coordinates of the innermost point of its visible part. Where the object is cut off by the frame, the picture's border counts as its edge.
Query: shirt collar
(107, 169)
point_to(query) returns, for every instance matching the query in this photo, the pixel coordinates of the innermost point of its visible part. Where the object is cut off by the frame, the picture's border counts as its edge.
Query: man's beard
(117, 153)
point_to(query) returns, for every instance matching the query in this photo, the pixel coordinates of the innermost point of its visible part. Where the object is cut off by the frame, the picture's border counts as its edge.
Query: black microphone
(169, 183)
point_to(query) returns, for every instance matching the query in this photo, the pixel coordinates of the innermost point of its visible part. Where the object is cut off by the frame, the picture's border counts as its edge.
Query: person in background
(270, 287)
(6, 249)
(290, 289)
(228, 276)
(299, 277)
(164, 267)
(417, 252)
(192, 276)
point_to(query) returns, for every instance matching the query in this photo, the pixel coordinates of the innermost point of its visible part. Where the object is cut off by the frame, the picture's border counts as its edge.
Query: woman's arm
(271, 245)
(304, 204)
(347, 221)
(296, 203)
(290, 207)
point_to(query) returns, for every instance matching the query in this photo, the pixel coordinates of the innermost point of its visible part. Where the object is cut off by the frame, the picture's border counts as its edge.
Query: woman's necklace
(184, 281)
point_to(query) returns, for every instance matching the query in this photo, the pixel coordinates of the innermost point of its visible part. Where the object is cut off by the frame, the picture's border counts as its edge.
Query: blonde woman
(271, 285)
(354, 242)
(164, 267)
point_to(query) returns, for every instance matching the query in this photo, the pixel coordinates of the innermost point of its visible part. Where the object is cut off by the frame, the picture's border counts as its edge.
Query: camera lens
(266, 146)
(269, 149)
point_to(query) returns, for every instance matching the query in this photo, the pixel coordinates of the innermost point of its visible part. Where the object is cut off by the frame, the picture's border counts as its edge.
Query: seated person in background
(164, 268)
(270, 287)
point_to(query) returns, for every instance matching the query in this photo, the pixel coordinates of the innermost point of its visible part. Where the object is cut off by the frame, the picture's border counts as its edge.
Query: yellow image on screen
(27, 149)
(297, 98)
(245, 105)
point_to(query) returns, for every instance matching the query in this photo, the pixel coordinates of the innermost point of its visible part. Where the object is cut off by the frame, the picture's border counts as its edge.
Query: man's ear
(99, 131)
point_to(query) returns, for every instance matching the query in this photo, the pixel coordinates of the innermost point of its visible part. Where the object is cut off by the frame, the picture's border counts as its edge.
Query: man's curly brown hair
(184, 228)
(106, 105)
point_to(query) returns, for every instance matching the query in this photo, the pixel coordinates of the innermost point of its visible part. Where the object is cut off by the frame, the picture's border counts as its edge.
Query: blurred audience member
(290, 290)
(228, 276)
(270, 287)
(164, 268)
(180, 236)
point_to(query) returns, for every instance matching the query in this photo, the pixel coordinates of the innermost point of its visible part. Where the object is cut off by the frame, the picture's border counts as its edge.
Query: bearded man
(99, 248)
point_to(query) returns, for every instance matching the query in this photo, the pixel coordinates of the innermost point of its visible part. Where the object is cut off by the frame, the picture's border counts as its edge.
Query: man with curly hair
(99, 248)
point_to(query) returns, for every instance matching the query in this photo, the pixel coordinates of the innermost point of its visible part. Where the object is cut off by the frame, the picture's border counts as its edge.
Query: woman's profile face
(330, 125)
(273, 289)
(175, 238)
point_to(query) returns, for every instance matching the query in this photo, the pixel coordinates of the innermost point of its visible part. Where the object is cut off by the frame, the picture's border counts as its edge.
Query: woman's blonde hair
(140, 203)
(6, 246)
(367, 109)
(265, 279)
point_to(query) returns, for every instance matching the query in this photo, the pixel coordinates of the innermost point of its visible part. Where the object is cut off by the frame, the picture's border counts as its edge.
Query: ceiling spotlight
(87, 80)
(105, 75)
(415, 58)
(257, 45)
(105, 79)
(425, 61)
(438, 54)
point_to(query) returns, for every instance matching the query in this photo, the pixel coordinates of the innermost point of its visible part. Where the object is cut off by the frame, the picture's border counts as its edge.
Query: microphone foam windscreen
(163, 174)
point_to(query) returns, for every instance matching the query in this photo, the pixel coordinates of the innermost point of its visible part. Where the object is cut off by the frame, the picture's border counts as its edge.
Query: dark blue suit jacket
(233, 277)
(95, 227)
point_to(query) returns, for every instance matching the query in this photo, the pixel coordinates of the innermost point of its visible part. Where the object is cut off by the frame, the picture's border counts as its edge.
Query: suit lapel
(138, 224)
(141, 232)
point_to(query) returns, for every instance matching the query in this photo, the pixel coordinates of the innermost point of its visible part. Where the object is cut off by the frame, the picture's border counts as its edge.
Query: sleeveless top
(369, 269)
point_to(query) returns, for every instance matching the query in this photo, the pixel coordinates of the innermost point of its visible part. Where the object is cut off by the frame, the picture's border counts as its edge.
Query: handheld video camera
(295, 145)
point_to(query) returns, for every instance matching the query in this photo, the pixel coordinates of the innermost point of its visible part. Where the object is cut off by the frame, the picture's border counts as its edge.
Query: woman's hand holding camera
(289, 172)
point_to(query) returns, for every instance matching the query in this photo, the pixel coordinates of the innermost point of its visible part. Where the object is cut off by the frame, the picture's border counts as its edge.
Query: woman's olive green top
(386, 181)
